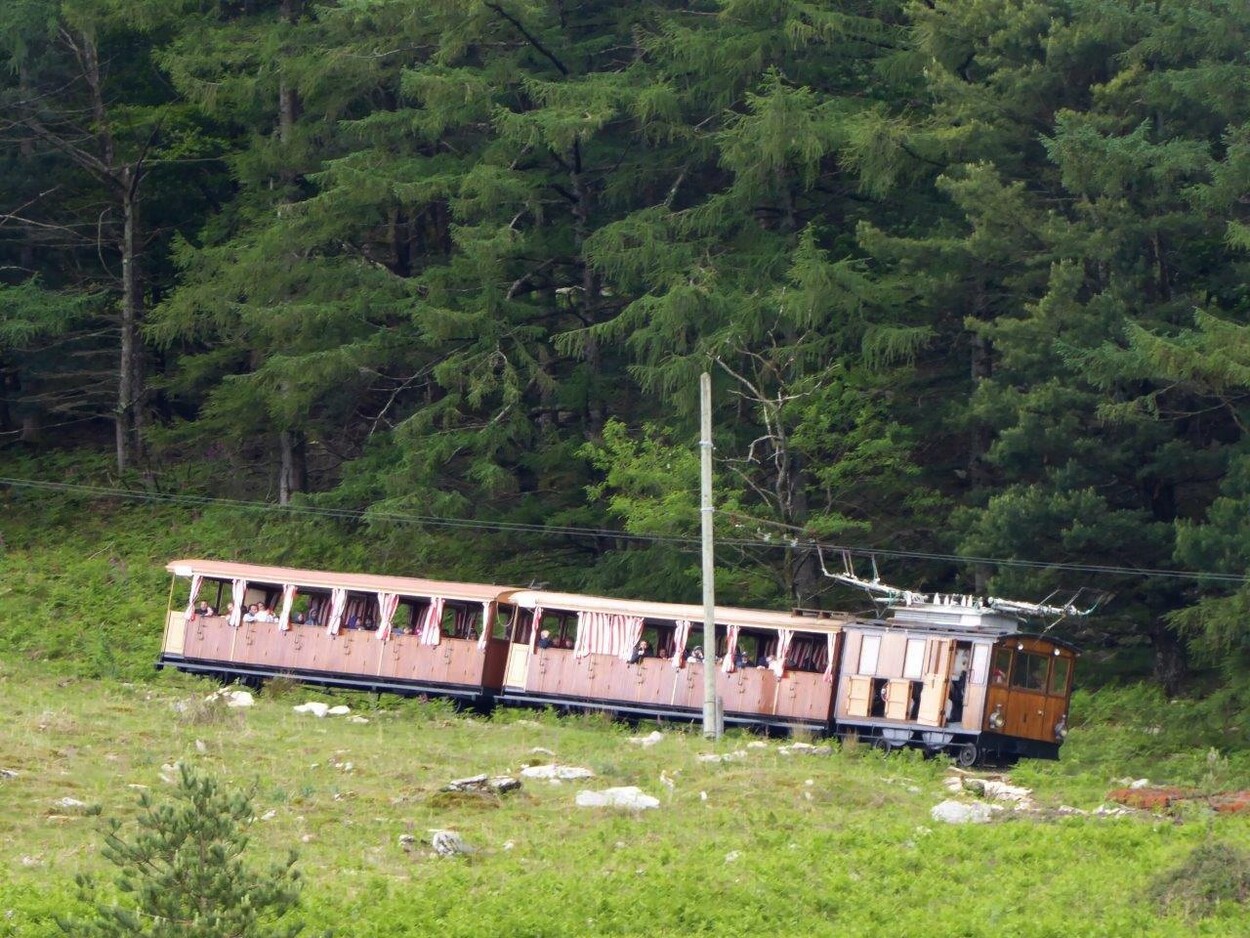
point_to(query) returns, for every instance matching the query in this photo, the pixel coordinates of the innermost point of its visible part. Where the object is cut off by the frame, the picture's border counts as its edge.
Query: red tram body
(946, 675)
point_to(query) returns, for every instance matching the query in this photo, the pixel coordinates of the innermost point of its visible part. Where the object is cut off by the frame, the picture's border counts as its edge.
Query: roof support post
(711, 725)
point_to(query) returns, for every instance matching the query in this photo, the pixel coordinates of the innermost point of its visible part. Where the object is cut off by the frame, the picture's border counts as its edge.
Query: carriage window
(1059, 676)
(1030, 672)
(1002, 665)
(868, 653)
(980, 658)
(913, 661)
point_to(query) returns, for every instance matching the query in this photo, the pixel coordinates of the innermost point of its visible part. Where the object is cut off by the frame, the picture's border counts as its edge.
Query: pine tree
(182, 874)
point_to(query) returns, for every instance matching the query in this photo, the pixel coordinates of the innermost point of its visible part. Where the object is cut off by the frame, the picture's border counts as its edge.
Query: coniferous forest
(970, 277)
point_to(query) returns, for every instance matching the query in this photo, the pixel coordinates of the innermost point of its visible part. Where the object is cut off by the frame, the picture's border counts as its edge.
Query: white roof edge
(725, 615)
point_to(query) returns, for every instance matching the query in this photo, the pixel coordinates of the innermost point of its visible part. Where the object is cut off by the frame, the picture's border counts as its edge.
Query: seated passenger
(250, 615)
(640, 652)
(695, 654)
(298, 618)
(544, 639)
(664, 653)
(353, 622)
(265, 614)
(369, 625)
(229, 610)
(740, 658)
(204, 609)
(567, 643)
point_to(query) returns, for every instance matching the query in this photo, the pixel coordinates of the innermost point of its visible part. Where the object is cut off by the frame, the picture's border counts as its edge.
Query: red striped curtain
(731, 648)
(829, 641)
(536, 623)
(284, 617)
(196, 581)
(784, 638)
(238, 590)
(387, 604)
(432, 624)
(338, 605)
(488, 623)
(679, 642)
(603, 633)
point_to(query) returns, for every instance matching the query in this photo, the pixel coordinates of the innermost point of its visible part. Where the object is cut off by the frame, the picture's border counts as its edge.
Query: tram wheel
(883, 745)
(967, 755)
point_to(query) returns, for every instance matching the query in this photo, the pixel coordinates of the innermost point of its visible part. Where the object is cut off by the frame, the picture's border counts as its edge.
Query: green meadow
(764, 843)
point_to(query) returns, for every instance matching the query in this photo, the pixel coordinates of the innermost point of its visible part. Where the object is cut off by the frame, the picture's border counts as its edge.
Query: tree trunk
(130, 370)
(1171, 666)
(293, 475)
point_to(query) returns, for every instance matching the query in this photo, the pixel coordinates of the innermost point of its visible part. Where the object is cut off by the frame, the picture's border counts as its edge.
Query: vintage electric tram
(949, 674)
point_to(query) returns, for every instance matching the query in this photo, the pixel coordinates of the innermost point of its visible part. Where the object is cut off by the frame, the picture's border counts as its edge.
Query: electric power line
(794, 538)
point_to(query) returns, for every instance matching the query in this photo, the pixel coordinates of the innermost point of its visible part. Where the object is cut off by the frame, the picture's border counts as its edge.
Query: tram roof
(725, 615)
(405, 586)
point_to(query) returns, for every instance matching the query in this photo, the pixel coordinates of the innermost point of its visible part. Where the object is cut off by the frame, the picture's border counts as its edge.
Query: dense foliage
(969, 274)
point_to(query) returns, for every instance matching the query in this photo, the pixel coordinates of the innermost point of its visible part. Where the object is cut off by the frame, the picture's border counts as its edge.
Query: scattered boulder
(757, 744)
(341, 710)
(733, 856)
(805, 749)
(357, 719)
(407, 841)
(65, 803)
(313, 707)
(8, 773)
(486, 784)
(447, 843)
(232, 697)
(735, 756)
(554, 771)
(540, 751)
(958, 812)
(628, 796)
(649, 740)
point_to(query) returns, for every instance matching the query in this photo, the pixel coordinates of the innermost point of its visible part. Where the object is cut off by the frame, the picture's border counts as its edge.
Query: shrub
(182, 873)
(1214, 873)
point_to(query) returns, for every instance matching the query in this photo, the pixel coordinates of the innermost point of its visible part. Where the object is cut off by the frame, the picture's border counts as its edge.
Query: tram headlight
(1061, 728)
(997, 720)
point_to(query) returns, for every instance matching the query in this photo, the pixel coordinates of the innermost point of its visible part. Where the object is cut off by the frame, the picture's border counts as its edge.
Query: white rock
(508, 845)
(556, 771)
(1139, 783)
(1001, 791)
(316, 709)
(957, 812)
(357, 719)
(269, 815)
(540, 751)
(733, 856)
(649, 740)
(239, 698)
(9, 773)
(628, 796)
(341, 710)
(757, 744)
(703, 796)
(736, 756)
(70, 803)
(200, 746)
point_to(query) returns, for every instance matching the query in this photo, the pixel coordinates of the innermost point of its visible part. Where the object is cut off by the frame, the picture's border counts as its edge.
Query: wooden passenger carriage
(439, 642)
(786, 677)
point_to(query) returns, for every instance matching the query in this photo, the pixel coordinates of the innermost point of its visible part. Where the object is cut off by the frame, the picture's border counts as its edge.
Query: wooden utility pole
(711, 722)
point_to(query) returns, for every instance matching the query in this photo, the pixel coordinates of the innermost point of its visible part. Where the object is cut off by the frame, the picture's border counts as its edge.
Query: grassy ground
(836, 845)
(839, 844)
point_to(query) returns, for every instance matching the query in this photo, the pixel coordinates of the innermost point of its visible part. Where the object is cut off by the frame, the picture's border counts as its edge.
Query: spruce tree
(182, 874)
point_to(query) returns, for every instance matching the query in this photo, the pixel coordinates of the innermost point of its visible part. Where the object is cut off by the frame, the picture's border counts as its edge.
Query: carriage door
(939, 657)
(519, 629)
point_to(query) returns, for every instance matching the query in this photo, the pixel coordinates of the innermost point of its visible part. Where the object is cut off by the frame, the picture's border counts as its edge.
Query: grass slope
(839, 844)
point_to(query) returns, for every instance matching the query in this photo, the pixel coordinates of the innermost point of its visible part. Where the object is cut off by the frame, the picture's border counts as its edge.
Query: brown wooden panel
(897, 699)
(749, 691)
(211, 638)
(859, 695)
(495, 662)
(804, 695)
